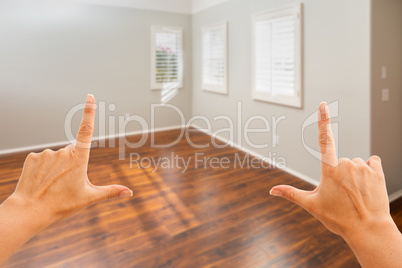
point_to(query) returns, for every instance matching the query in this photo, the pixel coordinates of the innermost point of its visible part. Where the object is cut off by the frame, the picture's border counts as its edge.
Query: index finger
(84, 136)
(326, 138)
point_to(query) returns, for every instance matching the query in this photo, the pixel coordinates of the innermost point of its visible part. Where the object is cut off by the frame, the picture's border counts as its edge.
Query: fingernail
(126, 193)
(323, 108)
(275, 192)
(90, 102)
(90, 98)
(324, 111)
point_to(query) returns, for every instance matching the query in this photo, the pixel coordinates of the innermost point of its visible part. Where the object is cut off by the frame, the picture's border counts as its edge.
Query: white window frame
(296, 11)
(211, 87)
(162, 29)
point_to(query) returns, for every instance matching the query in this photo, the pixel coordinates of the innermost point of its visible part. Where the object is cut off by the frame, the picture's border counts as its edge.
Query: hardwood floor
(202, 217)
(396, 212)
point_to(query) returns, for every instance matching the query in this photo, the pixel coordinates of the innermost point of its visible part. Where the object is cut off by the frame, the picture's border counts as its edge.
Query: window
(166, 57)
(277, 56)
(214, 65)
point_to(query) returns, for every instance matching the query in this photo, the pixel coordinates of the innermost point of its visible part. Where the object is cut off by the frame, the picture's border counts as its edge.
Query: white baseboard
(302, 176)
(395, 196)
(263, 158)
(64, 143)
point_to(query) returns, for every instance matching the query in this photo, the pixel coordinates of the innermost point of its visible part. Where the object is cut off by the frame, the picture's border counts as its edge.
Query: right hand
(352, 195)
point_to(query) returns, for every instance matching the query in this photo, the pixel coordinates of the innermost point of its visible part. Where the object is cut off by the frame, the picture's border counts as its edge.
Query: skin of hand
(53, 185)
(351, 201)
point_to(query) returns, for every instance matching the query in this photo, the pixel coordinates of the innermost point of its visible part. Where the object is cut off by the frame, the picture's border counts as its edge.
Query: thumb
(111, 191)
(299, 197)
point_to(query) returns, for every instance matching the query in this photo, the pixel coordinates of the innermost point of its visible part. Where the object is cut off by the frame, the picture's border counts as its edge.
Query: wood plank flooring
(202, 217)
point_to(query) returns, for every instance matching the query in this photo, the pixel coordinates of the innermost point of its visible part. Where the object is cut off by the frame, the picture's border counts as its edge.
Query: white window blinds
(166, 58)
(277, 56)
(214, 57)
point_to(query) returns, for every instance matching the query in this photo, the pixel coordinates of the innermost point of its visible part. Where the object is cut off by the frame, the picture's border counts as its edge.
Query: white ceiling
(198, 5)
(180, 6)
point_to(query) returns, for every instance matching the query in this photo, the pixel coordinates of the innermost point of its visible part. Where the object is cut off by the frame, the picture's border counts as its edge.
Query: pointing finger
(85, 132)
(326, 138)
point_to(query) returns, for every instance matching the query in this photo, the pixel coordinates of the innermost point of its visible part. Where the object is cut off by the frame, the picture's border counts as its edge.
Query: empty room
(201, 133)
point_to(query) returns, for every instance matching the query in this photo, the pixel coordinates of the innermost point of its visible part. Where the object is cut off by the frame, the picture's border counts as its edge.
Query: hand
(351, 201)
(352, 195)
(55, 185)
(52, 186)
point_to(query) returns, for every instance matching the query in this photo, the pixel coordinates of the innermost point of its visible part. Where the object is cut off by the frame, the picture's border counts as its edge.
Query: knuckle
(290, 195)
(47, 153)
(360, 165)
(358, 162)
(89, 111)
(324, 120)
(363, 169)
(62, 152)
(376, 158)
(331, 171)
(68, 155)
(32, 157)
(111, 193)
(326, 138)
(68, 148)
(345, 163)
(86, 130)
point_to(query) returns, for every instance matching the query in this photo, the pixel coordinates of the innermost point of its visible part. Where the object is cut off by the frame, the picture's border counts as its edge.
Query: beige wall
(51, 56)
(386, 50)
(336, 68)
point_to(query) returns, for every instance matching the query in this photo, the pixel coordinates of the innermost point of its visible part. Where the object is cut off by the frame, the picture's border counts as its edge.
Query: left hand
(55, 184)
